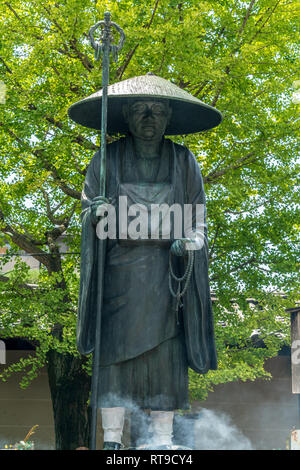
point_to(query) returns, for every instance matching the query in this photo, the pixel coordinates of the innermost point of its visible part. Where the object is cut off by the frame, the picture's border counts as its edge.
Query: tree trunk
(70, 388)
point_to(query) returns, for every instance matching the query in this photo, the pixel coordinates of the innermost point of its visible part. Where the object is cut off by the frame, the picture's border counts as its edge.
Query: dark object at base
(111, 446)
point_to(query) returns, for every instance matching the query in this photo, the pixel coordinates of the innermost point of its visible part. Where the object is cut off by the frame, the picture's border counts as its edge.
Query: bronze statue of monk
(149, 338)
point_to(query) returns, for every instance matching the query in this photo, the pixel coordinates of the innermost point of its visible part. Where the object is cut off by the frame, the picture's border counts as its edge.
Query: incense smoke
(204, 430)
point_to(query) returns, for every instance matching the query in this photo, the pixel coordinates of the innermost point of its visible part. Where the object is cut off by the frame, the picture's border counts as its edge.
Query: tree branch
(228, 211)
(22, 286)
(236, 49)
(54, 173)
(6, 66)
(214, 242)
(153, 14)
(130, 54)
(248, 13)
(48, 166)
(62, 222)
(79, 139)
(265, 22)
(76, 164)
(236, 268)
(26, 244)
(21, 21)
(73, 44)
(220, 87)
(14, 12)
(214, 175)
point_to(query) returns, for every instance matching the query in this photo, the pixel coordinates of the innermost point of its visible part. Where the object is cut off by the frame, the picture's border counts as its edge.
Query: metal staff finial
(107, 37)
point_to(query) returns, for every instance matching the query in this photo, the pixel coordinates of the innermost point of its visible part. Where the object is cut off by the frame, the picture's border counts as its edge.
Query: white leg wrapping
(162, 427)
(112, 423)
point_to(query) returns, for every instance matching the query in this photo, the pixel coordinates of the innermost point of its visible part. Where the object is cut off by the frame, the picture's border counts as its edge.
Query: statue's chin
(149, 136)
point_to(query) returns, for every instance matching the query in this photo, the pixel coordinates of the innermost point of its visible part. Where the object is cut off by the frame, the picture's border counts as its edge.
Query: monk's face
(147, 120)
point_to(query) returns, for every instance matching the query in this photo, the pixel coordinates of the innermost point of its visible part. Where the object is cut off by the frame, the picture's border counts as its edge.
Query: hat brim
(189, 114)
(187, 117)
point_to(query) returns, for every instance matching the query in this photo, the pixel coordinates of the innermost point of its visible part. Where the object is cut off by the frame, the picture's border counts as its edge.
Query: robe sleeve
(197, 306)
(86, 317)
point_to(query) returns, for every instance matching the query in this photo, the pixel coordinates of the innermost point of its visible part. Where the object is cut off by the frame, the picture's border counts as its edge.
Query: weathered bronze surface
(138, 309)
(149, 337)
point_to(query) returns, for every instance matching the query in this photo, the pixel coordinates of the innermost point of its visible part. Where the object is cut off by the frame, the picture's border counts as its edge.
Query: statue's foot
(111, 446)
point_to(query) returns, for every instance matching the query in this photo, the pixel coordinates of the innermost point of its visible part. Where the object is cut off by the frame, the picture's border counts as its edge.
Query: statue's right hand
(98, 208)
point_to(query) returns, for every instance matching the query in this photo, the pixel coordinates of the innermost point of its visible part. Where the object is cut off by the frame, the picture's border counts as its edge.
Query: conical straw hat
(189, 114)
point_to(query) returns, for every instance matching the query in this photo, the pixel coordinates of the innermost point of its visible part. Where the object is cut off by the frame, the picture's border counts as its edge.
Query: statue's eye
(139, 108)
(158, 109)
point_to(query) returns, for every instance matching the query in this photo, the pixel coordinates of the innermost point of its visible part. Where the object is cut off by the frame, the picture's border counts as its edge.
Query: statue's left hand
(98, 208)
(178, 247)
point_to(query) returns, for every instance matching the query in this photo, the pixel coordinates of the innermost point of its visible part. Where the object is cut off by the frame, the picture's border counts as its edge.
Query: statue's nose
(148, 112)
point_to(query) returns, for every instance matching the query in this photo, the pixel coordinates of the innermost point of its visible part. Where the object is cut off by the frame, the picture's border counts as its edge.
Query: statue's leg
(112, 424)
(162, 427)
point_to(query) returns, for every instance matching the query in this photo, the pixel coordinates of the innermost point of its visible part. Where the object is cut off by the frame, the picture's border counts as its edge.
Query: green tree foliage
(238, 56)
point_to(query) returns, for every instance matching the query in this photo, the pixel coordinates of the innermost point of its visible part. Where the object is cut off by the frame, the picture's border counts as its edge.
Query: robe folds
(137, 318)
